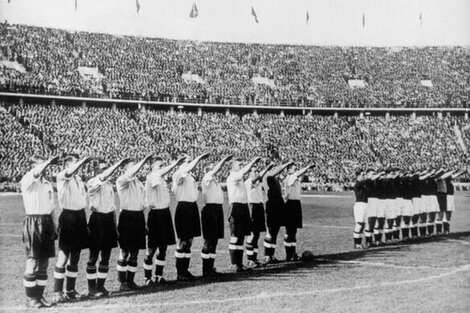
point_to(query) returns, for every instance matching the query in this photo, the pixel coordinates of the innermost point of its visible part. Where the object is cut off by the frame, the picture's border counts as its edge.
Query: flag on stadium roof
(420, 19)
(194, 12)
(137, 6)
(253, 12)
(363, 20)
(307, 17)
(76, 4)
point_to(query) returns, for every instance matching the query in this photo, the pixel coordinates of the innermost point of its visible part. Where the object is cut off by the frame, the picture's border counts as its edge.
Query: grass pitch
(428, 276)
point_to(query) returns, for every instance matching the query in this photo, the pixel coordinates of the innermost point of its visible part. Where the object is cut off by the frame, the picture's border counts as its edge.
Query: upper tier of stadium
(58, 62)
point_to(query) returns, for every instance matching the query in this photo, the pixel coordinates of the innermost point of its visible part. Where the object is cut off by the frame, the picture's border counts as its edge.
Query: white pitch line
(11, 235)
(380, 264)
(459, 241)
(261, 296)
(326, 196)
(10, 224)
(328, 226)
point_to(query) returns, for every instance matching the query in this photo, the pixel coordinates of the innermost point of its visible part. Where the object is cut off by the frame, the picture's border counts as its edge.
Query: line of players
(247, 187)
(393, 201)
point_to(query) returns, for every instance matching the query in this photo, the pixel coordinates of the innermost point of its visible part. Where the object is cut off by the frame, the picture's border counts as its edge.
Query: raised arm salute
(274, 211)
(161, 233)
(256, 198)
(292, 211)
(187, 220)
(212, 216)
(38, 229)
(131, 225)
(239, 218)
(102, 226)
(73, 228)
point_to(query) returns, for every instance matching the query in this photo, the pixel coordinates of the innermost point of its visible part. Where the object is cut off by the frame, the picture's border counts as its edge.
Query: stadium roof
(312, 22)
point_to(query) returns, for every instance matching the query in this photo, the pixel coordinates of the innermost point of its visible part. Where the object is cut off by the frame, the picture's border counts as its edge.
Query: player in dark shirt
(372, 203)
(360, 206)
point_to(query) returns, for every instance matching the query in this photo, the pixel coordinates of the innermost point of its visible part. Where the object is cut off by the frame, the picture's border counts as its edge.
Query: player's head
(253, 172)
(157, 163)
(292, 168)
(71, 159)
(359, 174)
(369, 173)
(209, 167)
(236, 164)
(101, 166)
(188, 157)
(37, 159)
(130, 163)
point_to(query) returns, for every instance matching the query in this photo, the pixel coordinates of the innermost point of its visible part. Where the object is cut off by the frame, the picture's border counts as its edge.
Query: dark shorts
(212, 218)
(274, 209)
(187, 220)
(240, 220)
(160, 226)
(103, 234)
(442, 200)
(73, 230)
(258, 221)
(292, 214)
(131, 230)
(39, 236)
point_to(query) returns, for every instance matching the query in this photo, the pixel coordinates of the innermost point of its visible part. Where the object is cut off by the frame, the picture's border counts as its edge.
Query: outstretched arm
(247, 167)
(168, 168)
(194, 162)
(71, 170)
(278, 169)
(133, 170)
(455, 175)
(104, 176)
(219, 165)
(303, 170)
(38, 170)
(262, 174)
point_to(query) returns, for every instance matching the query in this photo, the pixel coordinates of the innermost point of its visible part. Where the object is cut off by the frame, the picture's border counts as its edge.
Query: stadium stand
(58, 62)
(338, 145)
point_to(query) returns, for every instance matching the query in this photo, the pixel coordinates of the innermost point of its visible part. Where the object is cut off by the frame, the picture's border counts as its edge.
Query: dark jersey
(372, 188)
(360, 190)
(407, 188)
(415, 185)
(274, 191)
(450, 186)
(381, 189)
(389, 188)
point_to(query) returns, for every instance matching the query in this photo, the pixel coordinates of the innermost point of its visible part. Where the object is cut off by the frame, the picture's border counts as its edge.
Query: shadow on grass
(261, 273)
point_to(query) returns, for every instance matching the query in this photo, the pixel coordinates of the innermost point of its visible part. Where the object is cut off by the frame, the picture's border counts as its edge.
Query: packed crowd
(338, 145)
(155, 69)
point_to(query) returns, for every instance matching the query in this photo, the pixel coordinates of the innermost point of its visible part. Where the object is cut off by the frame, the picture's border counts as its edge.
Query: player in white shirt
(161, 233)
(39, 231)
(131, 225)
(240, 224)
(187, 220)
(102, 226)
(292, 209)
(256, 198)
(212, 216)
(73, 228)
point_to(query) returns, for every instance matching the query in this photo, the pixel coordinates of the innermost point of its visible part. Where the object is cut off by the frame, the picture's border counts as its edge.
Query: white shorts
(359, 211)
(390, 208)
(372, 204)
(430, 203)
(407, 208)
(399, 205)
(418, 206)
(450, 203)
(381, 205)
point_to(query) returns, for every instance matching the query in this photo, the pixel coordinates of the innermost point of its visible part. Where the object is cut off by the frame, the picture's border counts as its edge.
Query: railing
(248, 107)
(230, 102)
